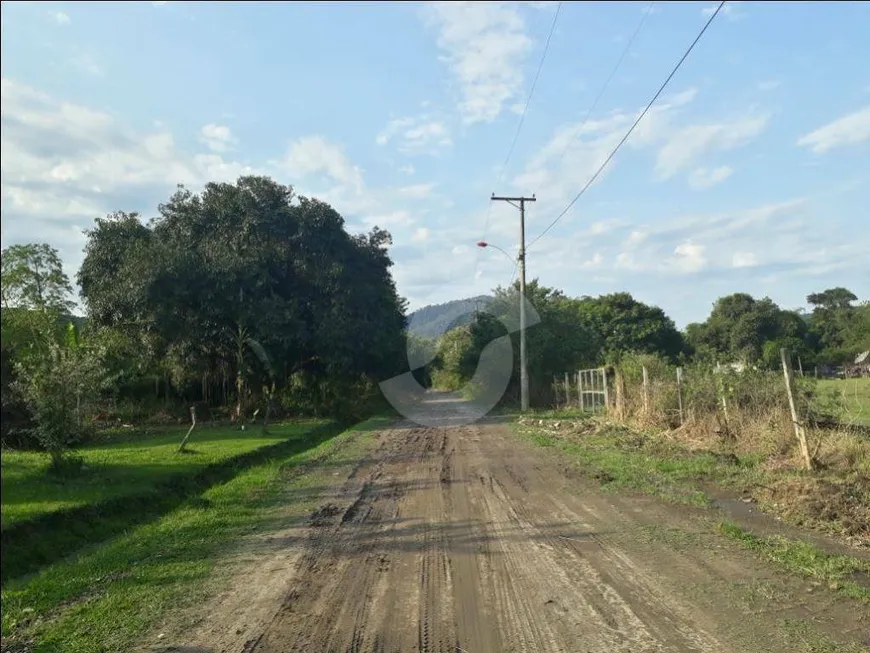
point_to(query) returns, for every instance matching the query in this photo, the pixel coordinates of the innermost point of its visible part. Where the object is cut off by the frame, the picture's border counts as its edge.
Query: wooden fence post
(680, 392)
(645, 391)
(800, 367)
(567, 391)
(799, 431)
(720, 384)
(619, 381)
(580, 390)
(190, 430)
(606, 393)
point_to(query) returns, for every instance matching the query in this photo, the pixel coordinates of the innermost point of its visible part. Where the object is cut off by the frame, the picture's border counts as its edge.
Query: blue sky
(751, 173)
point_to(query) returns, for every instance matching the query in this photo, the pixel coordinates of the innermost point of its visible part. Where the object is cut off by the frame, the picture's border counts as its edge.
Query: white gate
(592, 392)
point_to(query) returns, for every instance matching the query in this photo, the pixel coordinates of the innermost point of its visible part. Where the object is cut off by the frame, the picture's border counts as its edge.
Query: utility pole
(520, 203)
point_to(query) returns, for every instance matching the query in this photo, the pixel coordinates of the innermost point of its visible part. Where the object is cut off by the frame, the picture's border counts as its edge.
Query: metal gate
(592, 391)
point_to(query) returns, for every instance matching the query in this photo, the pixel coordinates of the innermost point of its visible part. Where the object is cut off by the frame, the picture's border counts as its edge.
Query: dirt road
(464, 539)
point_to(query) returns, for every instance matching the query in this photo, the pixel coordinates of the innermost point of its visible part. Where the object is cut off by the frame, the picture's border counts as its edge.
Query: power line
(630, 129)
(522, 119)
(607, 83)
(595, 102)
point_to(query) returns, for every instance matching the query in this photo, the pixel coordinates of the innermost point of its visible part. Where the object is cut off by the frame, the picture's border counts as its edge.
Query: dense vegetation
(244, 298)
(247, 301)
(585, 332)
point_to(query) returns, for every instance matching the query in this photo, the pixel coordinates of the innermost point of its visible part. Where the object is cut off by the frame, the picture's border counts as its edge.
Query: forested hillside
(433, 321)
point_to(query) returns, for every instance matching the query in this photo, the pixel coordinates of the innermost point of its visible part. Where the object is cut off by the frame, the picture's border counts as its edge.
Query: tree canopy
(248, 257)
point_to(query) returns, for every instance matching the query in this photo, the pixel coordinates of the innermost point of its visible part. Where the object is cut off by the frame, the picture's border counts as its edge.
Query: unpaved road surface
(466, 539)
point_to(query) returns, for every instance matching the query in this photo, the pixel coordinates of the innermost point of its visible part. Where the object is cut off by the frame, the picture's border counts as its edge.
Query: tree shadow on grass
(32, 544)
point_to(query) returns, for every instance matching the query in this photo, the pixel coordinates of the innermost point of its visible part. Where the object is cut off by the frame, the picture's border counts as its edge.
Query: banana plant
(243, 343)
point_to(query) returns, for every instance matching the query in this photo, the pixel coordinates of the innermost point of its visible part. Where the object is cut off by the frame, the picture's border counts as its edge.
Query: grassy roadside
(105, 598)
(621, 459)
(29, 545)
(838, 571)
(131, 466)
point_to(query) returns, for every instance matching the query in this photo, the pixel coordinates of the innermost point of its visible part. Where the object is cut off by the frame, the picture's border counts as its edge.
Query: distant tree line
(584, 332)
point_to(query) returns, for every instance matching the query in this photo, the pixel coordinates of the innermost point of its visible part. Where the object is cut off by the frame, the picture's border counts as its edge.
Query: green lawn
(125, 484)
(854, 396)
(110, 595)
(129, 467)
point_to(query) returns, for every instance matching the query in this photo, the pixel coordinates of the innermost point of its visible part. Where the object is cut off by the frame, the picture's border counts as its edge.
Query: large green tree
(742, 328)
(33, 279)
(250, 258)
(622, 324)
(831, 323)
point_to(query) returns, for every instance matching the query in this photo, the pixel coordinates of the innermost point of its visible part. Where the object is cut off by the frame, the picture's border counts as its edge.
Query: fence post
(680, 392)
(567, 391)
(645, 390)
(580, 390)
(800, 367)
(799, 431)
(720, 384)
(606, 393)
(190, 430)
(619, 381)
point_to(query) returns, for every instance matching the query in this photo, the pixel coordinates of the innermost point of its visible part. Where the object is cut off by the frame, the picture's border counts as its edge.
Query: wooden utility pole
(520, 203)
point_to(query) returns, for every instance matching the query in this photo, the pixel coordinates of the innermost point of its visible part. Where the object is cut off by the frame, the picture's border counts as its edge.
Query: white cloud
(64, 165)
(387, 220)
(46, 141)
(417, 191)
(688, 257)
(84, 62)
(686, 145)
(576, 151)
(768, 84)
(600, 227)
(422, 135)
(702, 178)
(420, 235)
(218, 138)
(593, 263)
(850, 129)
(744, 260)
(60, 17)
(485, 46)
(406, 170)
(636, 238)
(312, 155)
(730, 10)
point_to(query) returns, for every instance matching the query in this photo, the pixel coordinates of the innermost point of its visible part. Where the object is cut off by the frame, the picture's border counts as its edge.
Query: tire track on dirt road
(465, 539)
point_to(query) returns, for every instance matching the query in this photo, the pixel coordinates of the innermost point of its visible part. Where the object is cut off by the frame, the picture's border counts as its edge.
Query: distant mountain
(432, 321)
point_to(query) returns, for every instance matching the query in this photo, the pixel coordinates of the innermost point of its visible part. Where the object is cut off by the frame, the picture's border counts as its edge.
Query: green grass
(122, 468)
(621, 460)
(115, 508)
(854, 396)
(838, 571)
(624, 459)
(108, 597)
